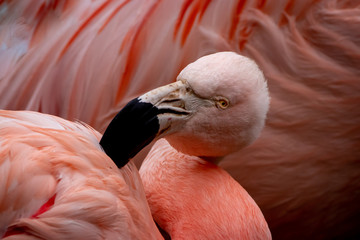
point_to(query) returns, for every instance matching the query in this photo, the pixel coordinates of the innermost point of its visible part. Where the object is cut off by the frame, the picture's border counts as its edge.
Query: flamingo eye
(222, 103)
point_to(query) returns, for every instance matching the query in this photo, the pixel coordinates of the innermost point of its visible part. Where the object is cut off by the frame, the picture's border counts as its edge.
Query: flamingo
(60, 182)
(181, 181)
(62, 57)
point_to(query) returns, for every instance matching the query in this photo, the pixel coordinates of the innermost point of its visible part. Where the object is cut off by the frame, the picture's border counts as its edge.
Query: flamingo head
(218, 105)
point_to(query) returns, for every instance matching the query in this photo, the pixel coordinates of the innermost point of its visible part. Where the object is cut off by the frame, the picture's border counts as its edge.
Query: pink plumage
(191, 198)
(85, 59)
(57, 183)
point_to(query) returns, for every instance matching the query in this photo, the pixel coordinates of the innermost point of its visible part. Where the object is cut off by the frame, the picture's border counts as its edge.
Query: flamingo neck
(190, 197)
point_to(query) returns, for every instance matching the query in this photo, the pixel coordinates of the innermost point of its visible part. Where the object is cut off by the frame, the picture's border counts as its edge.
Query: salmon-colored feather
(192, 198)
(57, 183)
(308, 50)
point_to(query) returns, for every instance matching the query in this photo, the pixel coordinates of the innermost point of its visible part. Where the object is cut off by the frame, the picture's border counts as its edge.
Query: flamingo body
(57, 183)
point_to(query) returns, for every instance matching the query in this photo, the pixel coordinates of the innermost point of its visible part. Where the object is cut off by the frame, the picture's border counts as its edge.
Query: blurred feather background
(85, 59)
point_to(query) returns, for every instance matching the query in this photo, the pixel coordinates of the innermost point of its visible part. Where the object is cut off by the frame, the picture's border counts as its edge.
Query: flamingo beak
(172, 102)
(145, 118)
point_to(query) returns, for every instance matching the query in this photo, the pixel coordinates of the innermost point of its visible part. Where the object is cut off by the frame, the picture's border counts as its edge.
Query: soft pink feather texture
(84, 59)
(191, 198)
(44, 156)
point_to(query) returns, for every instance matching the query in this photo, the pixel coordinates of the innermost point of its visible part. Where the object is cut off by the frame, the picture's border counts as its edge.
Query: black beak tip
(134, 127)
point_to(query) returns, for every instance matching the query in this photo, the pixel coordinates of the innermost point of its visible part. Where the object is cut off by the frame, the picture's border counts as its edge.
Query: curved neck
(192, 198)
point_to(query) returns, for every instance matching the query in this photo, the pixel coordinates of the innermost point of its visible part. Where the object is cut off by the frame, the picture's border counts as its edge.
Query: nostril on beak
(174, 102)
(173, 106)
